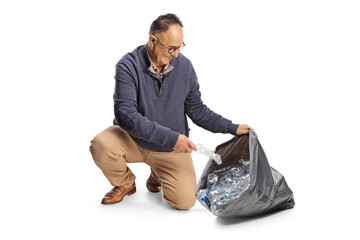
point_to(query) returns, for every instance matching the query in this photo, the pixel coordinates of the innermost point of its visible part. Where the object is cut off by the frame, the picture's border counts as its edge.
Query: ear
(152, 41)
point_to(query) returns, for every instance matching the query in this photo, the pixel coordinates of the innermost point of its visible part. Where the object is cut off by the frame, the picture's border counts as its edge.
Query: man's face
(172, 38)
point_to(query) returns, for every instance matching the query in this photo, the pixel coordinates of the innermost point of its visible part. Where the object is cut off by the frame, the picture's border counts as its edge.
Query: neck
(152, 57)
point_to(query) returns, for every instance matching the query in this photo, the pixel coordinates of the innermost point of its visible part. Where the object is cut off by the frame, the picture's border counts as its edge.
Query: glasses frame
(172, 49)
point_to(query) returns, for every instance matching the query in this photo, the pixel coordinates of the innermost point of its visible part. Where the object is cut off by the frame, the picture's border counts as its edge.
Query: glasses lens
(181, 46)
(173, 49)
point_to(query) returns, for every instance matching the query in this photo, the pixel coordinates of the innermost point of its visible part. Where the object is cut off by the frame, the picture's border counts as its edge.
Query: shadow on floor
(238, 220)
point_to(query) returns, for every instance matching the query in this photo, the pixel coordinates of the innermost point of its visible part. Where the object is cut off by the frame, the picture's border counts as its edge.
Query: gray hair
(162, 23)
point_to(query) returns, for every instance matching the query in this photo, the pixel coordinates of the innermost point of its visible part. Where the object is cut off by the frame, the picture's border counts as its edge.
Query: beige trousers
(113, 148)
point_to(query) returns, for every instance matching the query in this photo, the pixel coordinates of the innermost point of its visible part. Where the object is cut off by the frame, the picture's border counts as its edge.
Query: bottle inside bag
(222, 188)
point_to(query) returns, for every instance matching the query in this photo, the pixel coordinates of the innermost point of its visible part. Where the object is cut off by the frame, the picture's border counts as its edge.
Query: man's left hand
(243, 129)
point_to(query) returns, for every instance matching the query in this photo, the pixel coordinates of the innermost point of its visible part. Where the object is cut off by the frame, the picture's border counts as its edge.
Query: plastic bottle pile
(223, 189)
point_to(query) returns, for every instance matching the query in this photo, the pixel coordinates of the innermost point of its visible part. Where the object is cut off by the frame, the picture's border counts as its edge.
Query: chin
(167, 60)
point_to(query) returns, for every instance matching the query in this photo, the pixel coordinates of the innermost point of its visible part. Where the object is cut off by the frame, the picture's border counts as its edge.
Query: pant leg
(111, 149)
(177, 176)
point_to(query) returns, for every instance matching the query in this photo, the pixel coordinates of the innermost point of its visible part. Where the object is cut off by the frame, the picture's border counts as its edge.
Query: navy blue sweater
(155, 114)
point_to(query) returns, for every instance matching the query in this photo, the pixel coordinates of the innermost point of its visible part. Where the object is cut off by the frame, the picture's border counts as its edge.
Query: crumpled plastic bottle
(204, 150)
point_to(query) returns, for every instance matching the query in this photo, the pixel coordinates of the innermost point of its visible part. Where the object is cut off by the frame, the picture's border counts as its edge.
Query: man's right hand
(184, 145)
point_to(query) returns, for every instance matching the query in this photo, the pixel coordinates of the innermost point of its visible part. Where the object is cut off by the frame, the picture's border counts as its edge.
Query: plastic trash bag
(264, 191)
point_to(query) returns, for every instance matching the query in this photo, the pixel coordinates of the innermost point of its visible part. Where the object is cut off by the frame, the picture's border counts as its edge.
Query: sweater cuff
(232, 128)
(171, 139)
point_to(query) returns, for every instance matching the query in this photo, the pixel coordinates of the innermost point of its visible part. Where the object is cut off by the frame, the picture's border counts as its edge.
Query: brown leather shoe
(117, 194)
(152, 184)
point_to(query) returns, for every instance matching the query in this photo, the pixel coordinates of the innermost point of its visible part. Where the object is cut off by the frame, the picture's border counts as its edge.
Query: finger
(248, 128)
(192, 145)
(188, 146)
(188, 150)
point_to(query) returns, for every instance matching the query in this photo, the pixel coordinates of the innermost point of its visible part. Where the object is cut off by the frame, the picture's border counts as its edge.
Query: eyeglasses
(172, 49)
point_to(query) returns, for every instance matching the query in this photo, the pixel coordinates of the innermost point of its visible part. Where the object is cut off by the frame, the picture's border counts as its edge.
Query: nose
(175, 54)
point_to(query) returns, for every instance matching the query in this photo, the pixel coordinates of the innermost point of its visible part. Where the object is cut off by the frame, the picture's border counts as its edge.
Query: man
(155, 89)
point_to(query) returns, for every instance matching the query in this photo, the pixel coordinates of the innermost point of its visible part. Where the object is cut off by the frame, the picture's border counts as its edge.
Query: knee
(185, 204)
(97, 147)
(101, 150)
(181, 201)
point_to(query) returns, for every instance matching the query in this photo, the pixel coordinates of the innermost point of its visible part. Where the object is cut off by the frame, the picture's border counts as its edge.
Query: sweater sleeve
(128, 117)
(201, 115)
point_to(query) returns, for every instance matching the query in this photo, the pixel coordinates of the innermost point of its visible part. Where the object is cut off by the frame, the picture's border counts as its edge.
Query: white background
(287, 68)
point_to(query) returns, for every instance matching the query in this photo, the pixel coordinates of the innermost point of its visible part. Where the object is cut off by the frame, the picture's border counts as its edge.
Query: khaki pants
(113, 148)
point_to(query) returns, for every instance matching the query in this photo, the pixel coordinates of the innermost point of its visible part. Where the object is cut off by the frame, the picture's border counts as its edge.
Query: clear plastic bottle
(204, 150)
(212, 178)
(236, 172)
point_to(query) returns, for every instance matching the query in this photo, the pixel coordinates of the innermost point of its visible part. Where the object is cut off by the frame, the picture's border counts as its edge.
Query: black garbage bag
(244, 184)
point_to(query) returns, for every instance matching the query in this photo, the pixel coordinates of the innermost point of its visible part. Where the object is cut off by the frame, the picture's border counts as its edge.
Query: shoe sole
(128, 193)
(154, 190)
(131, 192)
